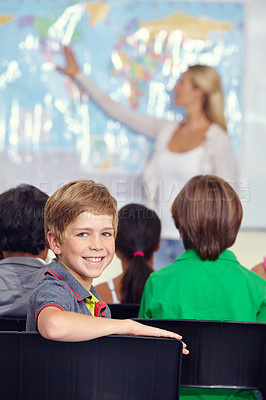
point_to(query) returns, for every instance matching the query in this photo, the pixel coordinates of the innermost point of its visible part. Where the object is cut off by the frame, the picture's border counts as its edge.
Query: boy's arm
(68, 326)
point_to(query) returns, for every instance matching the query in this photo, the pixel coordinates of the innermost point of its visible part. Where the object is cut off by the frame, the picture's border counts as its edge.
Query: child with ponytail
(138, 237)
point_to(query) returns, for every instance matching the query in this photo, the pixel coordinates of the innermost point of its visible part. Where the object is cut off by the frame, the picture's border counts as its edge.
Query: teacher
(199, 144)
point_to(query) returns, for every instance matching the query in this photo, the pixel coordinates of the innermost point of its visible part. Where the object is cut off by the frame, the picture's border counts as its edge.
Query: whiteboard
(252, 165)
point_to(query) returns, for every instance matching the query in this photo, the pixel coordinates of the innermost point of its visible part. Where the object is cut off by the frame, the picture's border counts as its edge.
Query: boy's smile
(87, 248)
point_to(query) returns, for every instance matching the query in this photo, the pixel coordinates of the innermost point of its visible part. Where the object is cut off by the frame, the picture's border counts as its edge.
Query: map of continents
(138, 60)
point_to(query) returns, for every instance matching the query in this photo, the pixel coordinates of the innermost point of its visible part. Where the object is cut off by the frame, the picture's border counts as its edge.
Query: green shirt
(190, 288)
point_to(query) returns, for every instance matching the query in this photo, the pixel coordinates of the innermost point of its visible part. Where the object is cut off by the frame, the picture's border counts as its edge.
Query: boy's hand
(71, 68)
(138, 329)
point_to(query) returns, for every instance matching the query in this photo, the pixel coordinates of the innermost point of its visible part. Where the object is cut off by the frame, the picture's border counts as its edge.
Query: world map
(136, 51)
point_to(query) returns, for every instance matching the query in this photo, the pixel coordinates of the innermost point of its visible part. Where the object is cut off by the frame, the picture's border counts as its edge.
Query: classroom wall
(250, 247)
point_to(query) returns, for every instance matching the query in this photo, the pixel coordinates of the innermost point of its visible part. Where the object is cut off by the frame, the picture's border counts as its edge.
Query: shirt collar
(226, 255)
(59, 272)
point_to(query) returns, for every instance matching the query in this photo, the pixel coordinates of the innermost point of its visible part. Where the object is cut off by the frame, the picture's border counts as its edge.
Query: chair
(12, 324)
(222, 354)
(112, 367)
(122, 311)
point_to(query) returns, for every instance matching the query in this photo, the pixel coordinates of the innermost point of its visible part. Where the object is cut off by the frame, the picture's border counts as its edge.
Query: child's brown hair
(208, 214)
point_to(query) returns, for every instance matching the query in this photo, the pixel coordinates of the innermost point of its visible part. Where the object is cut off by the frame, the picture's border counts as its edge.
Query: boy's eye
(82, 234)
(106, 234)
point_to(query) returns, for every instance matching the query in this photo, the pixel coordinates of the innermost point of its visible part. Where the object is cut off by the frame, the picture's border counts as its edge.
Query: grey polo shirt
(18, 278)
(60, 289)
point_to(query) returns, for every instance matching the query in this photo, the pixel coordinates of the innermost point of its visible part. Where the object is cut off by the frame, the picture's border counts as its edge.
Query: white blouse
(172, 170)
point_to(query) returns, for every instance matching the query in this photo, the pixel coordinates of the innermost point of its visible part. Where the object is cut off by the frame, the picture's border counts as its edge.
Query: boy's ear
(53, 243)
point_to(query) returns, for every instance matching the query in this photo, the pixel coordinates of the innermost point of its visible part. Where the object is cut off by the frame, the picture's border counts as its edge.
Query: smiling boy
(88, 247)
(80, 221)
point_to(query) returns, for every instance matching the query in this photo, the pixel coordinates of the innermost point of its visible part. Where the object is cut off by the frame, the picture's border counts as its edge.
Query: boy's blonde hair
(75, 197)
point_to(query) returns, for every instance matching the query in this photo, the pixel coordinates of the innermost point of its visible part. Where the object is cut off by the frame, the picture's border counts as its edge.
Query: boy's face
(87, 248)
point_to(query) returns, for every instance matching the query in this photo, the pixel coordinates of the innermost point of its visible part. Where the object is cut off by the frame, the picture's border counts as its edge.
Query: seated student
(23, 245)
(80, 221)
(260, 269)
(138, 237)
(206, 282)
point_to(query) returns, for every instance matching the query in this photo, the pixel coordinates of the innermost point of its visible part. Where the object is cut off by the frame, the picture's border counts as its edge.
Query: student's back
(209, 290)
(18, 277)
(22, 241)
(206, 282)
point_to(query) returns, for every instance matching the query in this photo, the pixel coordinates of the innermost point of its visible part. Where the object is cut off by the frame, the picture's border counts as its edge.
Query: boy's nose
(96, 243)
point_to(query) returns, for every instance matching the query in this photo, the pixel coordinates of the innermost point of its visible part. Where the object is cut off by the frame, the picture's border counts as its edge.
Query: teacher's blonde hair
(208, 80)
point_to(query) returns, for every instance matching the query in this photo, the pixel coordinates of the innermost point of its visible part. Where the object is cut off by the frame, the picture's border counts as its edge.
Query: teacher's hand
(71, 68)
